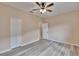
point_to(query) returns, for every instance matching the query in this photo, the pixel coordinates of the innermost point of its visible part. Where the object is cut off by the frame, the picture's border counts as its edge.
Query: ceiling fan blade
(48, 10)
(51, 4)
(38, 3)
(31, 12)
(35, 9)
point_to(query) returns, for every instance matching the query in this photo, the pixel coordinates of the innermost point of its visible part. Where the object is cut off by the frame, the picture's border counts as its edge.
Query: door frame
(14, 37)
(45, 31)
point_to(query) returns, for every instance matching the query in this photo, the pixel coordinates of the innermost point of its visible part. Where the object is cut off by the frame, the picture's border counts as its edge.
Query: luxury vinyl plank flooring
(44, 48)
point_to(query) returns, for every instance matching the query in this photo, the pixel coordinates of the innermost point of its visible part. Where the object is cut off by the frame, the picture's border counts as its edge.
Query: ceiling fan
(43, 7)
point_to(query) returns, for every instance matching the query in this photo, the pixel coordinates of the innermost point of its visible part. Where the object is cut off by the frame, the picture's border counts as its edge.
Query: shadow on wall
(59, 33)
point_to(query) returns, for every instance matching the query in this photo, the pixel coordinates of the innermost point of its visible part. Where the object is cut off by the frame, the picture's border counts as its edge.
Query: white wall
(59, 33)
(58, 22)
(31, 37)
(30, 24)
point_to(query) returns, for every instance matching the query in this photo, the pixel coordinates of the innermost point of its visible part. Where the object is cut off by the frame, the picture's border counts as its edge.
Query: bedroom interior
(39, 28)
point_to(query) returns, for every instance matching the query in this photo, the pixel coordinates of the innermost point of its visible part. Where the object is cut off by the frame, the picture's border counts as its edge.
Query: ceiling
(58, 8)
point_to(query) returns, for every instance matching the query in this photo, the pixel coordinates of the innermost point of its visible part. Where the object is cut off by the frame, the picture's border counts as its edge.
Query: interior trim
(5, 51)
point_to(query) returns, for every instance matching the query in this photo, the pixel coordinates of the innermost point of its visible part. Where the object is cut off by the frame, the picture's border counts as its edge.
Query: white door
(45, 31)
(15, 28)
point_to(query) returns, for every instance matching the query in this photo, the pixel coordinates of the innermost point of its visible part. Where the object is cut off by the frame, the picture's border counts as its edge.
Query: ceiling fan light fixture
(43, 7)
(42, 10)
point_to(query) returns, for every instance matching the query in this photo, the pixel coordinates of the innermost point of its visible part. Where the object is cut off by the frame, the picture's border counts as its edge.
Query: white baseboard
(29, 43)
(66, 43)
(5, 51)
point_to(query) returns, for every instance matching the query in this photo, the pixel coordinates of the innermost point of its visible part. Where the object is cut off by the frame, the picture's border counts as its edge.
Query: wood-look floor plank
(45, 48)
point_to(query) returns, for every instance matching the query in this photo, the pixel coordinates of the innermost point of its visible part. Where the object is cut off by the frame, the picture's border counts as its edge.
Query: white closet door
(45, 31)
(15, 32)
